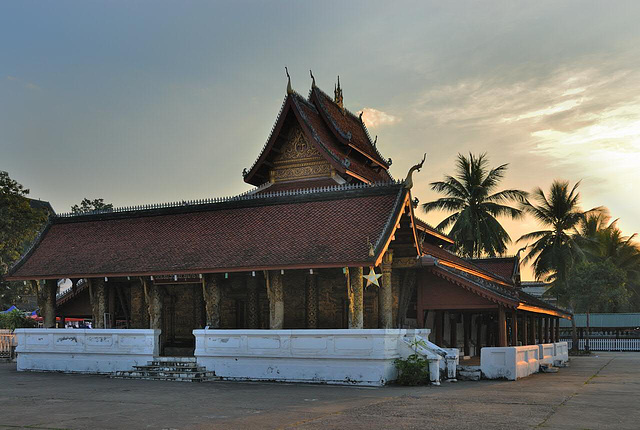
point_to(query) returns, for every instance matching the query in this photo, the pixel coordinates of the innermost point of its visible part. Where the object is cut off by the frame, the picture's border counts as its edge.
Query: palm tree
(554, 250)
(471, 196)
(601, 239)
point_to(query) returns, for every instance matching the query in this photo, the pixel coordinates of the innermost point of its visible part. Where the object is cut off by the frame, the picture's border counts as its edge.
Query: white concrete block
(560, 353)
(357, 357)
(547, 351)
(85, 350)
(512, 362)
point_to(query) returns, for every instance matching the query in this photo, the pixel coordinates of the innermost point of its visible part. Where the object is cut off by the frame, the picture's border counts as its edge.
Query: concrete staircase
(184, 369)
(469, 372)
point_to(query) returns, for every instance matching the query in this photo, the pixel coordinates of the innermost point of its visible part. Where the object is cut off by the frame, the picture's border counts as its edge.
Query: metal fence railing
(606, 344)
(7, 345)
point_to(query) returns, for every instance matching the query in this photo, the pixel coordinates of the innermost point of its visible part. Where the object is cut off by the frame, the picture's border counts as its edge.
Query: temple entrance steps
(468, 372)
(183, 369)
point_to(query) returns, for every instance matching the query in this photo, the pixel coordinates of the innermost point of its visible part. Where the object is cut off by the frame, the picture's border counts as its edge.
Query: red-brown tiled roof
(502, 266)
(326, 229)
(346, 125)
(442, 254)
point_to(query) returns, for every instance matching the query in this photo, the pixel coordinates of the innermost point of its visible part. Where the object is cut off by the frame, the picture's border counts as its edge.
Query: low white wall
(547, 351)
(560, 353)
(358, 357)
(85, 351)
(511, 362)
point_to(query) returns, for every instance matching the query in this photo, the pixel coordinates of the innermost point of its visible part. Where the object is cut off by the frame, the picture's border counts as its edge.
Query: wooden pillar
(407, 292)
(98, 299)
(385, 294)
(46, 297)
(154, 296)
(312, 300)
(514, 328)
(253, 317)
(439, 327)
(525, 330)
(557, 329)
(355, 293)
(540, 330)
(532, 330)
(139, 312)
(546, 330)
(478, 334)
(502, 327)
(552, 331)
(275, 291)
(212, 293)
(453, 330)
(466, 322)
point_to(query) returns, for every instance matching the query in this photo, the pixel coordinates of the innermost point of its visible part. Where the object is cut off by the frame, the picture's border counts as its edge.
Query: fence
(7, 345)
(607, 344)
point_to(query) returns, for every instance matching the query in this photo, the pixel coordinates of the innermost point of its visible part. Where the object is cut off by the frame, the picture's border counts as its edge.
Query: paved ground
(597, 392)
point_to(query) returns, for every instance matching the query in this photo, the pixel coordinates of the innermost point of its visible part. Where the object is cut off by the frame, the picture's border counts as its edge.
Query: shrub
(16, 319)
(414, 370)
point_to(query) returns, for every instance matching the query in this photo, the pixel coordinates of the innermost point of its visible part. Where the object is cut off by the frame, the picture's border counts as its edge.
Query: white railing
(7, 344)
(341, 356)
(509, 362)
(85, 351)
(606, 344)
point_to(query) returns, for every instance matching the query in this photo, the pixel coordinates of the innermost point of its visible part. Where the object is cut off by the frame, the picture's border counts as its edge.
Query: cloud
(374, 118)
(27, 85)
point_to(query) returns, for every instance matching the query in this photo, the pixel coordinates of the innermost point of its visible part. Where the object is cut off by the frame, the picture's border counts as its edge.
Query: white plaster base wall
(512, 362)
(560, 353)
(85, 351)
(358, 357)
(547, 351)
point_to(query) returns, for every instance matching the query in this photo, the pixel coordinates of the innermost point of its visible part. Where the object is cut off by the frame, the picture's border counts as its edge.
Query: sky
(142, 102)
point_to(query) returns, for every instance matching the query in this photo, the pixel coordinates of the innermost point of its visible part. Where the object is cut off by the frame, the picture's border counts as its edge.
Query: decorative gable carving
(298, 159)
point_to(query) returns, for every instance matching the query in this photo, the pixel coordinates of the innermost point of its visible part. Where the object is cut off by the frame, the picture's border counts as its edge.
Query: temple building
(326, 239)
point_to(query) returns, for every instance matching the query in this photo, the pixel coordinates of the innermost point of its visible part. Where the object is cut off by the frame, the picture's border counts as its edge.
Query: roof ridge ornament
(313, 79)
(337, 93)
(408, 183)
(289, 88)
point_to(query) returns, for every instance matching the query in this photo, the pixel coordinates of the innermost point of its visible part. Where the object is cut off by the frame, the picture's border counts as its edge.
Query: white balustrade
(509, 362)
(354, 357)
(85, 350)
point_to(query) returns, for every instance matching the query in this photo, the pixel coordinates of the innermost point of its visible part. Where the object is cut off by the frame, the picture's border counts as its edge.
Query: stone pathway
(598, 392)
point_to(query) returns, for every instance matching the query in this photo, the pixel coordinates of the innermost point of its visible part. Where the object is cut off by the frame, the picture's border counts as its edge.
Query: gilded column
(212, 293)
(139, 313)
(253, 318)
(312, 300)
(275, 291)
(356, 297)
(385, 294)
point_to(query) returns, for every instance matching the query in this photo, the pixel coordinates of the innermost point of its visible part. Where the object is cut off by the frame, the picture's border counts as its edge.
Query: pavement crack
(572, 395)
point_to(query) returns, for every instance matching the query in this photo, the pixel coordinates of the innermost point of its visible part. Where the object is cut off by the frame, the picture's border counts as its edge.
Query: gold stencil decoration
(299, 159)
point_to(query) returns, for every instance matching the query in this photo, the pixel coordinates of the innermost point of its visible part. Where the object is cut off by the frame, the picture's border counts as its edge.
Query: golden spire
(289, 89)
(338, 94)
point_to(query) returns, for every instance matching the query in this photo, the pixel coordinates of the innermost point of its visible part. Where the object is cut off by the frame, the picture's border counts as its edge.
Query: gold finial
(289, 89)
(313, 80)
(408, 183)
(338, 95)
(372, 251)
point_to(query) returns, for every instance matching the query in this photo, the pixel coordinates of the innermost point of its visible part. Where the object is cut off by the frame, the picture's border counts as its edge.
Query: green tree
(597, 287)
(19, 226)
(602, 240)
(554, 250)
(471, 196)
(87, 206)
